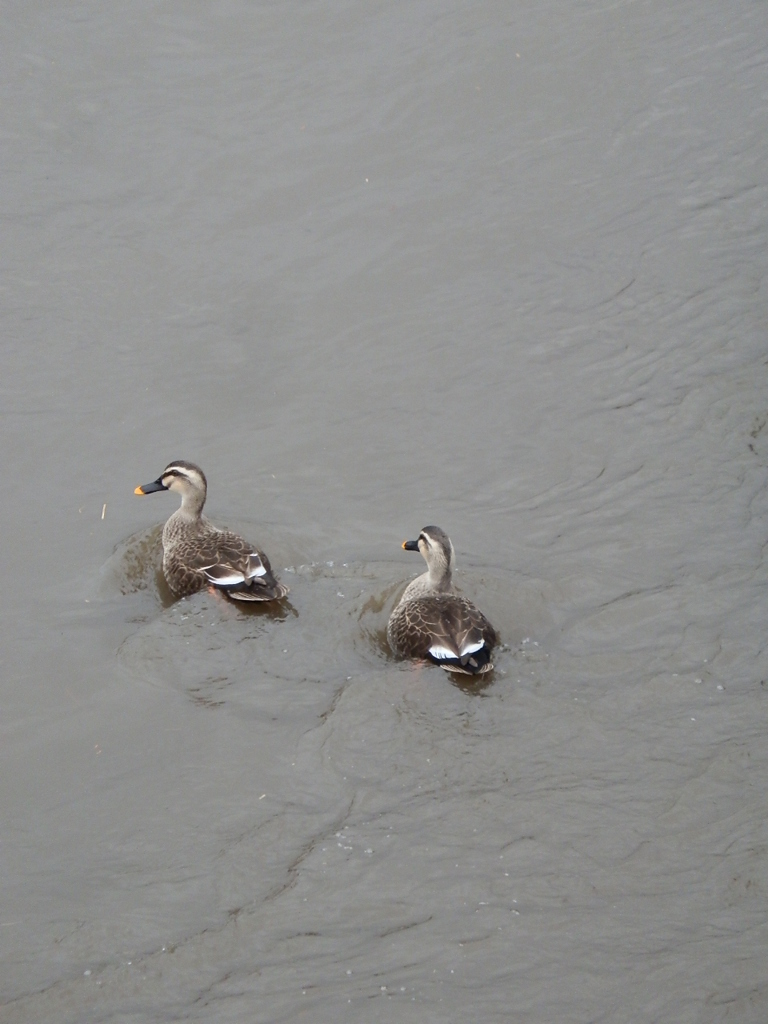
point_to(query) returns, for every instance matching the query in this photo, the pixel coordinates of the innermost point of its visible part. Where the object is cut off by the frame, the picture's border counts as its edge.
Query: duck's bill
(410, 545)
(156, 485)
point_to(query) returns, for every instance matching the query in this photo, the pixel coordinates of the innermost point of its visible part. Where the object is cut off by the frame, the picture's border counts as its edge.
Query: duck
(432, 621)
(197, 554)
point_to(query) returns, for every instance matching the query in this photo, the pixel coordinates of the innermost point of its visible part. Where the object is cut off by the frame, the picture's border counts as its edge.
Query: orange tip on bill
(403, 544)
(138, 490)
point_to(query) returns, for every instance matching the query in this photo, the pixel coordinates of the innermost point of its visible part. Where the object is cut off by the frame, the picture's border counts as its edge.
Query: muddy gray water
(498, 267)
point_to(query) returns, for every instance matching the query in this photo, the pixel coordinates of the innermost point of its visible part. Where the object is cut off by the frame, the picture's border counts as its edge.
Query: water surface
(499, 268)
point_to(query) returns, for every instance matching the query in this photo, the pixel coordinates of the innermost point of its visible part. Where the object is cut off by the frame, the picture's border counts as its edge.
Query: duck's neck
(192, 505)
(439, 577)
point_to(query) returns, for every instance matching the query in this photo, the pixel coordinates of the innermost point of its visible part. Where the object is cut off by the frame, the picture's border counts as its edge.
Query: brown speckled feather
(188, 549)
(445, 622)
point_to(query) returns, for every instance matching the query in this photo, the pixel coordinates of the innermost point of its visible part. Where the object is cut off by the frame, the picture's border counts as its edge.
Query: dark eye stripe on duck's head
(179, 469)
(435, 537)
(436, 548)
(188, 475)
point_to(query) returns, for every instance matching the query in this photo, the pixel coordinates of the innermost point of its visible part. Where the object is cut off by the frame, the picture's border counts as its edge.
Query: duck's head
(436, 549)
(185, 478)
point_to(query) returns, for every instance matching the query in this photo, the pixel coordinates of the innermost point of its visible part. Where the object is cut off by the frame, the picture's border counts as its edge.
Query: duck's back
(445, 628)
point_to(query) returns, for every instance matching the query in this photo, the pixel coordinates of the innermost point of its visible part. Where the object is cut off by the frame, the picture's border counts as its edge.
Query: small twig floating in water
(103, 510)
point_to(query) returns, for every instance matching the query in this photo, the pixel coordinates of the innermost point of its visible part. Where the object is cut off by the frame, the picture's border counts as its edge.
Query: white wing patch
(255, 566)
(226, 576)
(471, 648)
(223, 575)
(441, 652)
